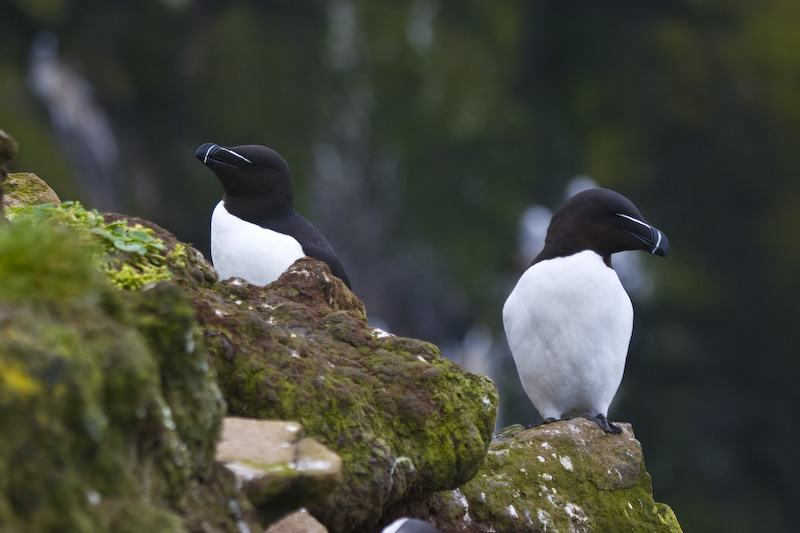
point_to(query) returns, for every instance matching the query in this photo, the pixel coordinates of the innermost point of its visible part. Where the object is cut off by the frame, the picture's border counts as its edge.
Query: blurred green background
(420, 131)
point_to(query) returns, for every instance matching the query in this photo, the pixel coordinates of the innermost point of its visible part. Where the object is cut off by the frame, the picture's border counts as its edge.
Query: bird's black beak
(205, 151)
(653, 240)
(211, 154)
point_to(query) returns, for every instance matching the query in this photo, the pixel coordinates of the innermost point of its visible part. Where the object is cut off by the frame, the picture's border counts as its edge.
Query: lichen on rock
(111, 401)
(26, 188)
(564, 476)
(405, 421)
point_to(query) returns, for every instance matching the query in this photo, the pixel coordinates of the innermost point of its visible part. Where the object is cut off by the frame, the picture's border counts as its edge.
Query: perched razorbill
(255, 233)
(568, 321)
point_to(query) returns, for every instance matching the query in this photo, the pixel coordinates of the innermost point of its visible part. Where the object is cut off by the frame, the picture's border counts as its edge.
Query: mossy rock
(26, 188)
(109, 410)
(405, 421)
(564, 476)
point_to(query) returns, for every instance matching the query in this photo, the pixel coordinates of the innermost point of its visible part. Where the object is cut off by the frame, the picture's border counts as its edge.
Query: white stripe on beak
(237, 155)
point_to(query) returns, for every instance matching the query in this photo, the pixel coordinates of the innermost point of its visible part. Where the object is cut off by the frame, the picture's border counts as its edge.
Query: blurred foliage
(448, 120)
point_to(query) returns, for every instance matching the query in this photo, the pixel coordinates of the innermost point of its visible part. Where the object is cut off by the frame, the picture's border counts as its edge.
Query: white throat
(245, 250)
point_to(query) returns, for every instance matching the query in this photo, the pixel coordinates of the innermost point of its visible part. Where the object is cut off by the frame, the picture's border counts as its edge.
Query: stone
(562, 476)
(278, 469)
(297, 522)
(26, 188)
(405, 421)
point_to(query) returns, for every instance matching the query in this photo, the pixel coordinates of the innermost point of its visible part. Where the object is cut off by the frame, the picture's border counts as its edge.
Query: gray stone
(297, 522)
(25, 188)
(278, 469)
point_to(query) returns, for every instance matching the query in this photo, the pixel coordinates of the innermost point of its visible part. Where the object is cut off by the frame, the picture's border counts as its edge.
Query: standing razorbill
(568, 321)
(255, 233)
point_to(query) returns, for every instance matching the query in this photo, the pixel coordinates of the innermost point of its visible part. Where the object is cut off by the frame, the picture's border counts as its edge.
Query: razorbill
(409, 525)
(255, 233)
(568, 321)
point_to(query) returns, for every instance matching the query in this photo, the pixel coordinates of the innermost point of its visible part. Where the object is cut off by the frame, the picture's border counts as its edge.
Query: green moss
(16, 382)
(109, 412)
(46, 262)
(24, 188)
(403, 419)
(566, 477)
(129, 255)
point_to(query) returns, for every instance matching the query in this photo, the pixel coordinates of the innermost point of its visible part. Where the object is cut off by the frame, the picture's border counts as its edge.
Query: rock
(278, 469)
(109, 411)
(119, 380)
(298, 522)
(564, 476)
(25, 188)
(405, 421)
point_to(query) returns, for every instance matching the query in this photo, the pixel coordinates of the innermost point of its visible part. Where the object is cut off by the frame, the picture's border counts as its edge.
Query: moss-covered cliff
(118, 343)
(109, 411)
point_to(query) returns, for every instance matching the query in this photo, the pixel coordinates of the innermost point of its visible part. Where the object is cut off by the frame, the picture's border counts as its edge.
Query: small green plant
(129, 255)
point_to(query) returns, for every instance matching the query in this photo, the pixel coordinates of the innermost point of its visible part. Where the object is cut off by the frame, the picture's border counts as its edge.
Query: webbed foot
(602, 421)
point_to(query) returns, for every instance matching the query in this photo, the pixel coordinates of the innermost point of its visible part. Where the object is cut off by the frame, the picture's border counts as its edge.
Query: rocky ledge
(111, 402)
(564, 476)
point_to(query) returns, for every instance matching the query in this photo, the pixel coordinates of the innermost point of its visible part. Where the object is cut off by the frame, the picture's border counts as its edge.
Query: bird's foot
(602, 421)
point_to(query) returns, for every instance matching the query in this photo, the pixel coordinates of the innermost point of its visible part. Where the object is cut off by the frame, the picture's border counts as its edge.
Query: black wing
(313, 242)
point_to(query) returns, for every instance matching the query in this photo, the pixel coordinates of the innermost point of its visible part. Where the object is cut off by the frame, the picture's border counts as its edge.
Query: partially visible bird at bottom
(409, 525)
(568, 320)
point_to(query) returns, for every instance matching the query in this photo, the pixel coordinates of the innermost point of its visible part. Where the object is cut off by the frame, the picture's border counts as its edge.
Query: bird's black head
(253, 177)
(603, 221)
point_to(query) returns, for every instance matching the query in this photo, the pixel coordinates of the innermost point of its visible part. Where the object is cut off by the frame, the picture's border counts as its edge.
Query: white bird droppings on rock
(378, 333)
(544, 517)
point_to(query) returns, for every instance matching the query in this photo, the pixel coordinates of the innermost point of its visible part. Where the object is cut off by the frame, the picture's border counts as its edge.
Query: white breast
(248, 251)
(569, 323)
